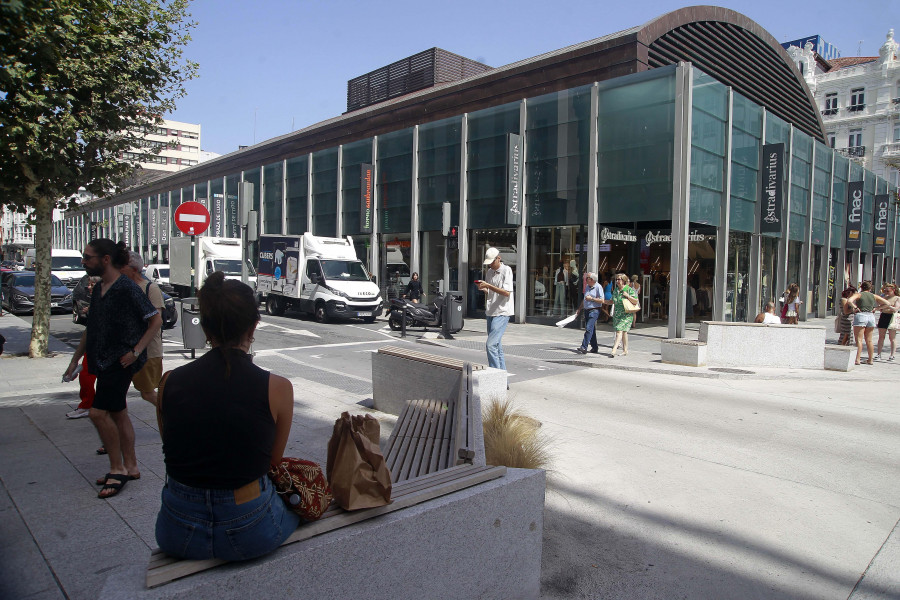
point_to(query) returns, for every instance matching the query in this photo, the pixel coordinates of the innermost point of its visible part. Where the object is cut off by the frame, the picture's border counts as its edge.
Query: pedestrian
(593, 300)
(622, 321)
(414, 289)
(121, 324)
(792, 302)
(224, 421)
(607, 286)
(147, 379)
(887, 322)
(560, 289)
(863, 304)
(498, 289)
(86, 379)
(845, 325)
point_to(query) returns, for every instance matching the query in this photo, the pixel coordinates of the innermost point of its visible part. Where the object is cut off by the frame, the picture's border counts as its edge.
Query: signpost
(192, 219)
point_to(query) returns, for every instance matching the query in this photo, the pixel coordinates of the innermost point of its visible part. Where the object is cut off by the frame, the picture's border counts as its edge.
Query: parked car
(82, 302)
(18, 293)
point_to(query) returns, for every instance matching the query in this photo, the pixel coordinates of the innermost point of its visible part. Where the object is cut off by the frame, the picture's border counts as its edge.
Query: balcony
(891, 150)
(856, 108)
(830, 112)
(853, 151)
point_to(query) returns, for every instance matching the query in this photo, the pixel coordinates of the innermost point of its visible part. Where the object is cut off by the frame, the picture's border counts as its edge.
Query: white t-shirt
(771, 319)
(497, 305)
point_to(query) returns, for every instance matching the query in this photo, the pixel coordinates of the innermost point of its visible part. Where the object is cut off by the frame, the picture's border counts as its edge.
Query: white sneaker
(78, 413)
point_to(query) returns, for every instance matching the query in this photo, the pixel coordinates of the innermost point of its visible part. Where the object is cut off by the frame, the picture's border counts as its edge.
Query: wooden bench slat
(432, 359)
(411, 493)
(419, 422)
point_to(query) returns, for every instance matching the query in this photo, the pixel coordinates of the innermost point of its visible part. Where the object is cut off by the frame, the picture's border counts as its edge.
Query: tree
(80, 80)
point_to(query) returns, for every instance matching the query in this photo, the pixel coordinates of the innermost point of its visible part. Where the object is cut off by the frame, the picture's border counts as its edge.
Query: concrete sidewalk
(780, 484)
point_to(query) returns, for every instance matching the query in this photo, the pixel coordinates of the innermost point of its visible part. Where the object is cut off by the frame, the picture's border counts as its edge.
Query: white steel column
(309, 192)
(283, 197)
(781, 262)
(593, 253)
(463, 263)
(805, 282)
(753, 298)
(374, 249)
(723, 232)
(522, 230)
(681, 198)
(339, 200)
(414, 233)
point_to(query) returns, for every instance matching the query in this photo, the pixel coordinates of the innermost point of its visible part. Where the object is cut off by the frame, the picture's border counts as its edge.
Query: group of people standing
(858, 319)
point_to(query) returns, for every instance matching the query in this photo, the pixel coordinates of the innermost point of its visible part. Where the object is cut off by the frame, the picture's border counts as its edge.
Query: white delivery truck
(65, 264)
(210, 254)
(316, 275)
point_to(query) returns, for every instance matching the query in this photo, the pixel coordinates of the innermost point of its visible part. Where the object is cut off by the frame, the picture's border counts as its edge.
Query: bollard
(403, 323)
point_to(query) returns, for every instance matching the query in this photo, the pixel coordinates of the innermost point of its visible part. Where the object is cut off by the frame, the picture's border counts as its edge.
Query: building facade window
(831, 138)
(857, 99)
(855, 140)
(831, 104)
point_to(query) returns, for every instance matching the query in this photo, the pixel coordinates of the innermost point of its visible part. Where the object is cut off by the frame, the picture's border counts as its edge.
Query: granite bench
(760, 345)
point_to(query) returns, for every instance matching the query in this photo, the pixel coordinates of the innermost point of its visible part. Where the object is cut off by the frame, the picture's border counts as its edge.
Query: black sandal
(102, 480)
(116, 487)
(101, 450)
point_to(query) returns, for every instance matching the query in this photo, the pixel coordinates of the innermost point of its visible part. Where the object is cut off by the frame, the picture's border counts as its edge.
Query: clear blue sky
(271, 66)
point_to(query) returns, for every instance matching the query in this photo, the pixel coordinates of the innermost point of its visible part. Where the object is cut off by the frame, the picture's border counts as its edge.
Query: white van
(65, 264)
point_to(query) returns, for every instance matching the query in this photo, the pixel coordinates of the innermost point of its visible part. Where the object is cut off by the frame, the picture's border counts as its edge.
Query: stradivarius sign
(772, 188)
(854, 214)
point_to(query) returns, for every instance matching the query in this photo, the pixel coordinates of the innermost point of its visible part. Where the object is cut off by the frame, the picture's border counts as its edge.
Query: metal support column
(805, 282)
(414, 234)
(681, 186)
(339, 200)
(781, 262)
(463, 264)
(522, 231)
(593, 258)
(309, 193)
(374, 250)
(753, 299)
(825, 275)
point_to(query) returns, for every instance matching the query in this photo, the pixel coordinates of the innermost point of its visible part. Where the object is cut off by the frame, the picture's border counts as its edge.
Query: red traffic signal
(453, 238)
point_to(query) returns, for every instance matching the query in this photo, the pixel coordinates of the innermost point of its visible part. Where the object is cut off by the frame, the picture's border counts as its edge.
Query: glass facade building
(655, 172)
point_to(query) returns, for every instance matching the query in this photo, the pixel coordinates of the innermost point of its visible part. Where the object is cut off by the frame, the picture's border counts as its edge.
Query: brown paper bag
(357, 473)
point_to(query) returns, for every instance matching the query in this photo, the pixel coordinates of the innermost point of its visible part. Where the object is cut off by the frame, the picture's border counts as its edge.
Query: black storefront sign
(154, 227)
(234, 225)
(854, 214)
(164, 225)
(772, 188)
(217, 215)
(879, 230)
(366, 197)
(126, 229)
(70, 240)
(513, 179)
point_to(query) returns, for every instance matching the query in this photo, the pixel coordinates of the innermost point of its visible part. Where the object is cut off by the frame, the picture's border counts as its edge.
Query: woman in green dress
(622, 320)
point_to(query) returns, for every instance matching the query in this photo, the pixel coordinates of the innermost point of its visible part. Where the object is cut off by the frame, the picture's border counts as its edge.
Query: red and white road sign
(191, 218)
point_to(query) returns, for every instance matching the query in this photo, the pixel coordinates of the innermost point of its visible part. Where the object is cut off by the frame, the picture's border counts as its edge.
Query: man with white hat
(498, 285)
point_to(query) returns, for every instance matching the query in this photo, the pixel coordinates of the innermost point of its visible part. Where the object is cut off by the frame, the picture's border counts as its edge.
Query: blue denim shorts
(864, 319)
(199, 523)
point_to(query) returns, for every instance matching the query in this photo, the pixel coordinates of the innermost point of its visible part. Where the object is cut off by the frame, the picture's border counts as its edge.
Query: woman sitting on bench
(223, 422)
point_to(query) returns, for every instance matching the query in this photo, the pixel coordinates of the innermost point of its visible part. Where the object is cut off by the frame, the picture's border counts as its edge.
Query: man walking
(592, 302)
(498, 286)
(147, 379)
(121, 323)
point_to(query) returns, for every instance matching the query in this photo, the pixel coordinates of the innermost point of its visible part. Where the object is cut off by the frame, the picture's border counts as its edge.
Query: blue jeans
(590, 331)
(495, 328)
(199, 523)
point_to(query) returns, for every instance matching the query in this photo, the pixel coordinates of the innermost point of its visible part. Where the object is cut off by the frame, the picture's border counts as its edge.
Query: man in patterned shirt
(121, 324)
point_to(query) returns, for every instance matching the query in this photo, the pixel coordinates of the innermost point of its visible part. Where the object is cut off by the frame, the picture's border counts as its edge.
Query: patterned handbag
(303, 487)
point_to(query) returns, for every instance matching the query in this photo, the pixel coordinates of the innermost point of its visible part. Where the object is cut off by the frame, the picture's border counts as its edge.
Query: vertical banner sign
(854, 214)
(217, 215)
(154, 226)
(366, 197)
(93, 230)
(126, 229)
(164, 225)
(513, 179)
(234, 222)
(70, 243)
(879, 231)
(772, 188)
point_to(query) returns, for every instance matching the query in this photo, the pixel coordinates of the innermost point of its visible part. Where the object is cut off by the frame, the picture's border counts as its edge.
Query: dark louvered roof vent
(417, 72)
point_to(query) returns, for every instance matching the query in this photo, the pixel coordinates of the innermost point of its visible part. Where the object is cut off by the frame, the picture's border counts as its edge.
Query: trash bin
(191, 332)
(453, 315)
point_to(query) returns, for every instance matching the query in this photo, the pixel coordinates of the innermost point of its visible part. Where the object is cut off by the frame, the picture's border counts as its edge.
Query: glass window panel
(439, 169)
(232, 214)
(395, 181)
(297, 190)
(324, 192)
(486, 157)
(217, 196)
(636, 141)
(558, 157)
(354, 155)
(273, 190)
(202, 193)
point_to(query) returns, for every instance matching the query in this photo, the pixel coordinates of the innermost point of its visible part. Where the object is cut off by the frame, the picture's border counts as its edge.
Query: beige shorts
(147, 379)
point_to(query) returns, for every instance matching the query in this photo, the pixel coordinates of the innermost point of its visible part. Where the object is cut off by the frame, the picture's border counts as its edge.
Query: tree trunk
(43, 238)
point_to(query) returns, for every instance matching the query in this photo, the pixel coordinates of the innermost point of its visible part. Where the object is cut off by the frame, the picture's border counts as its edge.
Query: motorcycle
(417, 315)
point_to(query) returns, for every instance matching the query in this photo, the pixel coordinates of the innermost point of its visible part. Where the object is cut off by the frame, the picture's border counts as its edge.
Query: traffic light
(453, 238)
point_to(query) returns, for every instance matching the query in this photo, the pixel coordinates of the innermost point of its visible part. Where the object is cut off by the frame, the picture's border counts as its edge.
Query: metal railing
(853, 151)
(891, 149)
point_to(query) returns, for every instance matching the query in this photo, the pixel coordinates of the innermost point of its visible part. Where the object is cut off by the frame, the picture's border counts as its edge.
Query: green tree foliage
(79, 81)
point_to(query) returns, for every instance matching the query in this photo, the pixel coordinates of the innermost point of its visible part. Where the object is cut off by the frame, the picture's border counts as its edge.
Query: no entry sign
(191, 218)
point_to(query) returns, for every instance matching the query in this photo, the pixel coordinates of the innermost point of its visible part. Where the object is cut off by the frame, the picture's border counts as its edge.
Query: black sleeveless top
(217, 432)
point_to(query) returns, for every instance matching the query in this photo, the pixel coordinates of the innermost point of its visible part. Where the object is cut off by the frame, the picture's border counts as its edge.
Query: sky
(270, 67)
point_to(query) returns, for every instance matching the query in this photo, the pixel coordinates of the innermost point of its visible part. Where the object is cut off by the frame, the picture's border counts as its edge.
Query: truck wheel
(275, 306)
(321, 314)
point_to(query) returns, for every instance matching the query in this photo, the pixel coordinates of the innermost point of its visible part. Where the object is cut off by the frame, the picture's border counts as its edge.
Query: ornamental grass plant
(511, 438)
